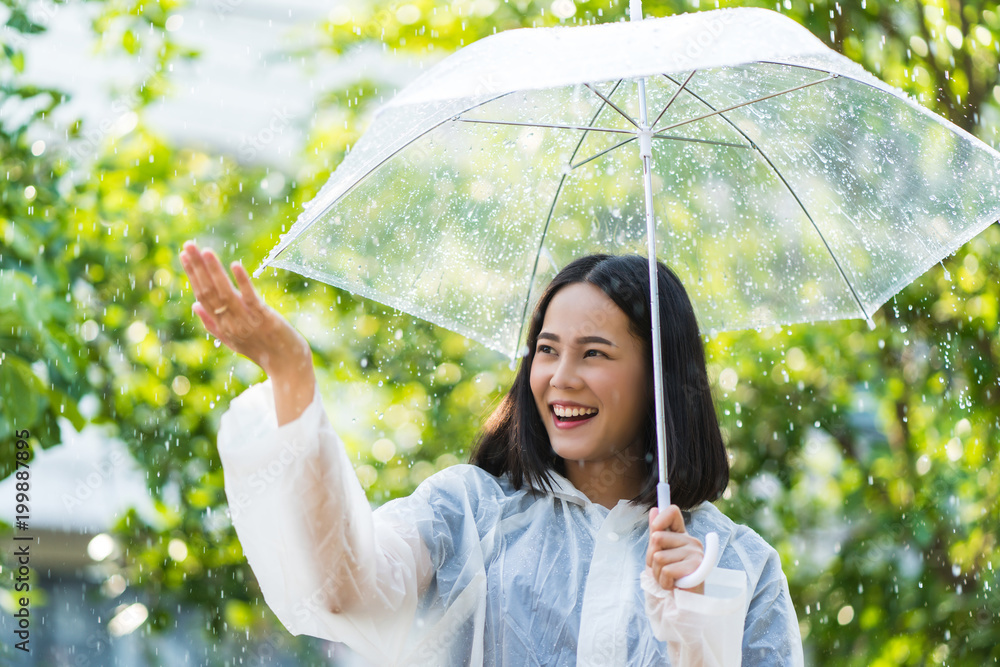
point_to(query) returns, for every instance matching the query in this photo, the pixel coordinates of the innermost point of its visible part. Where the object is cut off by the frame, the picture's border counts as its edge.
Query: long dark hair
(514, 441)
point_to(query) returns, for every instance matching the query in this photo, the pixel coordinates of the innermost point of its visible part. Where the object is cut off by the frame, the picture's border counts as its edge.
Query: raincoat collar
(564, 489)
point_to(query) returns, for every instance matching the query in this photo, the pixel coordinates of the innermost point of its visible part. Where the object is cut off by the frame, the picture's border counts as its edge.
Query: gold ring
(220, 310)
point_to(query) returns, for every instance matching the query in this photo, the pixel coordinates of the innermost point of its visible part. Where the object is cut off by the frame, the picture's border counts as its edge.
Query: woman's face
(587, 363)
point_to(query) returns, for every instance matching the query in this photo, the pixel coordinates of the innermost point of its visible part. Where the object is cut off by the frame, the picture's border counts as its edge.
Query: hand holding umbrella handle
(707, 565)
(711, 545)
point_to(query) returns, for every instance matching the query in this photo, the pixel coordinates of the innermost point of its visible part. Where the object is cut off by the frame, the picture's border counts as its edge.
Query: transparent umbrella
(779, 180)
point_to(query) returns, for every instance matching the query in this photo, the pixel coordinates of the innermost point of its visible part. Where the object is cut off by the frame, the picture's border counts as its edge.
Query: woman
(547, 549)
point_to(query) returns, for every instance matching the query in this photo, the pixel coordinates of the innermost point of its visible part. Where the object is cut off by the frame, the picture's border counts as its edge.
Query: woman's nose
(566, 375)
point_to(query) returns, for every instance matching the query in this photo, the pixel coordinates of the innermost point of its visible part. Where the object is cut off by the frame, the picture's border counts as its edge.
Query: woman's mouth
(568, 417)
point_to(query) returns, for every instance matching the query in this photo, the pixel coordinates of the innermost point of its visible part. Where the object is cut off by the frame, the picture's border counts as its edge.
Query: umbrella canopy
(789, 185)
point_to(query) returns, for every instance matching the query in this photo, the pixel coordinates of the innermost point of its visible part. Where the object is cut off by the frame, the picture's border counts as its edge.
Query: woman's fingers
(206, 318)
(662, 540)
(187, 261)
(237, 316)
(211, 297)
(220, 281)
(672, 552)
(255, 308)
(247, 291)
(667, 542)
(669, 566)
(669, 519)
(208, 279)
(201, 282)
(676, 555)
(668, 575)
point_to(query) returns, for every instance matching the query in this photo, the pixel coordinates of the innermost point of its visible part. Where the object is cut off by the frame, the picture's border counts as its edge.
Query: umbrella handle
(707, 564)
(711, 545)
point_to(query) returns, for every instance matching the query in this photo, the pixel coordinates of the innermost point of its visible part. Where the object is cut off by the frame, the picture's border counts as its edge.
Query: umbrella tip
(871, 323)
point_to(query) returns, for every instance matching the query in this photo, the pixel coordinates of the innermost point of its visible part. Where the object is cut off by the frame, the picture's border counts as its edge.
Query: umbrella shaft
(646, 152)
(654, 312)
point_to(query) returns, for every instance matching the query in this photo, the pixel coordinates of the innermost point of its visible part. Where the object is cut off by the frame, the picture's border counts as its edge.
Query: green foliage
(868, 458)
(41, 360)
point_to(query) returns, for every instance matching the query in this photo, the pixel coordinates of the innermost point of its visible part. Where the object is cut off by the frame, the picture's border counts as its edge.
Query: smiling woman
(590, 347)
(589, 378)
(548, 548)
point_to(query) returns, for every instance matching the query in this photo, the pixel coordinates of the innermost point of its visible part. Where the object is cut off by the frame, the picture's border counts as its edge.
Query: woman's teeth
(569, 413)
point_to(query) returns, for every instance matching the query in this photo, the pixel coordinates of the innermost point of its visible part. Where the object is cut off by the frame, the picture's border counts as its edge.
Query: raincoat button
(612, 537)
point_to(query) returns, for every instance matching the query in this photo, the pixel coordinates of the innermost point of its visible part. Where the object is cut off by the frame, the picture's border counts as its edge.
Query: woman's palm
(238, 317)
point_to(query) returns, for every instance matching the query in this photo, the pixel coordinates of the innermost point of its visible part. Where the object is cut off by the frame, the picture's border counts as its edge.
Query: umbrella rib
(788, 186)
(593, 120)
(585, 128)
(552, 209)
(295, 231)
(700, 141)
(606, 150)
(743, 104)
(822, 238)
(612, 105)
(673, 97)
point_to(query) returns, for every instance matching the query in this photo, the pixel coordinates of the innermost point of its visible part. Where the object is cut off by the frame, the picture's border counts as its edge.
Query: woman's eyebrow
(582, 340)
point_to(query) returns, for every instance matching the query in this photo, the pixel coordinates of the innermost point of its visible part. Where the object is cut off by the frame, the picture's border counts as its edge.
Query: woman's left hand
(672, 553)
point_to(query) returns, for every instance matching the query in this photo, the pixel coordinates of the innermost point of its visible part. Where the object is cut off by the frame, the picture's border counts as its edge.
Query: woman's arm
(326, 563)
(301, 515)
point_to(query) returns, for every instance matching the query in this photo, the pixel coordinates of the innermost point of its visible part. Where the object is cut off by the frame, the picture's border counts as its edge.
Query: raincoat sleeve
(327, 565)
(701, 630)
(771, 635)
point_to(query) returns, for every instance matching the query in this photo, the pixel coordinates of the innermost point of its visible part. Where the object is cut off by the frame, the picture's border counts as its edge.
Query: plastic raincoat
(469, 571)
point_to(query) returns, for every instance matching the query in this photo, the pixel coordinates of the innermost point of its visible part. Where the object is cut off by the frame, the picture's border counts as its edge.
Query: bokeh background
(867, 458)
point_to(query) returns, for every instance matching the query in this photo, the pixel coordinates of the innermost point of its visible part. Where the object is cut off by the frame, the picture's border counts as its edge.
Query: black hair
(514, 441)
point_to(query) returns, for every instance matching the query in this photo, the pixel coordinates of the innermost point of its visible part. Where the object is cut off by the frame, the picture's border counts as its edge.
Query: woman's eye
(595, 352)
(543, 349)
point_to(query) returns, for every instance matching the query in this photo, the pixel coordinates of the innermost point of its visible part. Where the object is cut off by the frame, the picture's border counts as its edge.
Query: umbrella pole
(646, 152)
(645, 134)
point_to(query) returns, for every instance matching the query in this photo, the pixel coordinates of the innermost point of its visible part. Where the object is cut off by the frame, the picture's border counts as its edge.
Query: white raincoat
(469, 571)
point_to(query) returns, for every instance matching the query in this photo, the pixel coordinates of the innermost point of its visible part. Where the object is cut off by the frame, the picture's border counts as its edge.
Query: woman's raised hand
(672, 553)
(239, 318)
